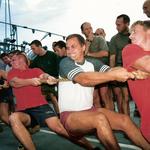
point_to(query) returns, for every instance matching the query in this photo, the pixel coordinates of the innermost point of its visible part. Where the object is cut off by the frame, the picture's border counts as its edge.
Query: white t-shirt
(73, 96)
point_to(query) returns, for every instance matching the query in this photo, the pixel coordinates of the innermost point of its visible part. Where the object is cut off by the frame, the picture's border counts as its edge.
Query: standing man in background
(48, 62)
(117, 43)
(97, 47)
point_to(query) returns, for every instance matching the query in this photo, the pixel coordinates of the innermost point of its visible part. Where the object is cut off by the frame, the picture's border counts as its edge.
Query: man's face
(120, 25)
(87, 29)
(16, 62)
(74, 50)
(100, 32)
(138, 34)
(6, 60)
(146, 8)
(35, 49)
(59, 51)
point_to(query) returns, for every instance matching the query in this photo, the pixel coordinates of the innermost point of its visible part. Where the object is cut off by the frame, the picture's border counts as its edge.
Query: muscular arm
(94, 78)
(142, 63)
(18, 82)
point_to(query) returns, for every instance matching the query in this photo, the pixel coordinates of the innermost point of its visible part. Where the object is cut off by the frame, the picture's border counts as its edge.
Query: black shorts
(6, 96)
(118, 84)
(39, 114)
(4, 99)
(46, 89)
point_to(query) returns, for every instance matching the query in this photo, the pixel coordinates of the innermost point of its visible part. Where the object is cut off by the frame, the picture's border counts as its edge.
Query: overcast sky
(65, 16)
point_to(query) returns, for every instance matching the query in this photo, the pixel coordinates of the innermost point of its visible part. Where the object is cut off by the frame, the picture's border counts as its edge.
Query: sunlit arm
(94, 78)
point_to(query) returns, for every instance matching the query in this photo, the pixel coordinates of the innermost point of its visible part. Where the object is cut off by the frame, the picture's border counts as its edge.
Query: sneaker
(1, 129)
(20, 147)
(34, 129)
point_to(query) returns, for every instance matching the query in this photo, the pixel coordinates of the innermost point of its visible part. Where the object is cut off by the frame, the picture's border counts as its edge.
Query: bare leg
(18, 122)
(54, 102)
(55, 125)
(83, 142)
(108, 139)
(4, 112)
(87, 121)
(104, 92)
(119, 98)
(96, 99)
(124, 123)
(126, 108)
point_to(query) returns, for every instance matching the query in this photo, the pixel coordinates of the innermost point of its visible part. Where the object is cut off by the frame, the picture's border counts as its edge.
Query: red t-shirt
(140, 89)
(27, 96)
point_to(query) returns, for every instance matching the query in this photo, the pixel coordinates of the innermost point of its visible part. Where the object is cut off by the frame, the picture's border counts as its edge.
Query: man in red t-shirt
(31, 105)
(136, 56)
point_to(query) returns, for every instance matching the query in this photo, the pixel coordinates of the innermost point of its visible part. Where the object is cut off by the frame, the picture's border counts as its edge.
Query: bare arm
(140, 75)
(46, 78)
(3, 74)
(99, 54)
(94, 78)
(112, 60)
(18, 82)
(142, 63)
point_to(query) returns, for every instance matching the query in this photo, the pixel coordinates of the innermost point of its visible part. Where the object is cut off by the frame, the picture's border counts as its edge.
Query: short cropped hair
(60, 44)
(83, 25)
(36, 42)
(80, 38)
(3, 55)
(145, 24)
(125, 17)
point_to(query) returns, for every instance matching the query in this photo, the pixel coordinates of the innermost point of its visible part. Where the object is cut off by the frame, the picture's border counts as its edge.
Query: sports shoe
(1, 129)
(20, 147)
(34, 129)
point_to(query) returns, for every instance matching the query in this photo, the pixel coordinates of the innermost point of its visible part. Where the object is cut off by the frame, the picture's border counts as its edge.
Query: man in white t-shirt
(79, 76)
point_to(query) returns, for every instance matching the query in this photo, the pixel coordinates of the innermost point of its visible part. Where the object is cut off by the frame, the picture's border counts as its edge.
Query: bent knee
(100, 119)
(55, 125)
(5, 119)
(57, 129)
(16, 118)
(13, 117)
(124, 121)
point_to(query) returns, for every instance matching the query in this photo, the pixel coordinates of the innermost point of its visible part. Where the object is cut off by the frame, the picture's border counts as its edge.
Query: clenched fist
(121, 74)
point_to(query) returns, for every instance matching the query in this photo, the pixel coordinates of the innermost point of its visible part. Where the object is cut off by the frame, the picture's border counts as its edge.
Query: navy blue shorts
(5, 95)
(40, 114)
